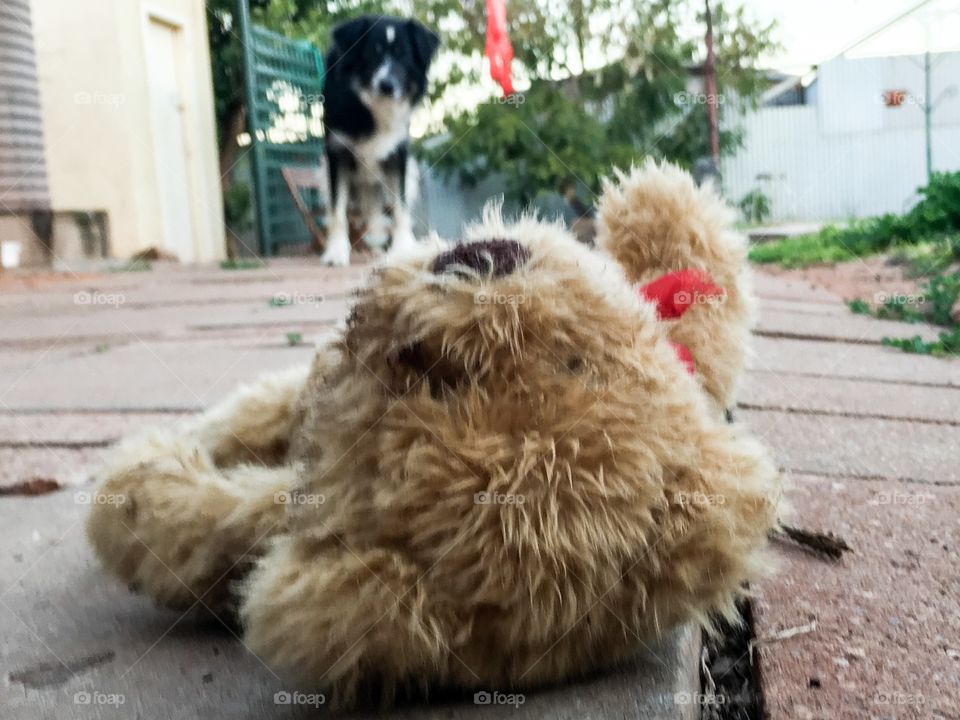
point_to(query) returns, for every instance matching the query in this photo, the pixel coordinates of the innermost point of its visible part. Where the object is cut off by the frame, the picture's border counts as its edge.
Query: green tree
(607, 86)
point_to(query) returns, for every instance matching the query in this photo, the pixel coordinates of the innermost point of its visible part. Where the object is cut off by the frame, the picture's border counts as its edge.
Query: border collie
(376, 72)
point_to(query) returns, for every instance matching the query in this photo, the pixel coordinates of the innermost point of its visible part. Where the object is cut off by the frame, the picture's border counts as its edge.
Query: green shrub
(937, 214)
(242, 264)
(947, 344)
(801, 250)
(755, 206)
(859, 307)
(940, 294)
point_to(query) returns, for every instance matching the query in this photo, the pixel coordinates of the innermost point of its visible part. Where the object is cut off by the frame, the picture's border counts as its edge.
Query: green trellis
(284, 85)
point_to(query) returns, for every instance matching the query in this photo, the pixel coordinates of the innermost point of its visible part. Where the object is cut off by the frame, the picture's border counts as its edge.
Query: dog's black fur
(376, 72)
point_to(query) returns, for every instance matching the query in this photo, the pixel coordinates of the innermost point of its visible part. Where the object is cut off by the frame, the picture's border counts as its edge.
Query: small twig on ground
(786, 633)
(827, 544)
(782, 635)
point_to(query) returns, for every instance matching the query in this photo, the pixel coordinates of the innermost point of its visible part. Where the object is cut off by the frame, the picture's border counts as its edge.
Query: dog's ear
(424, 43)
(346, 35)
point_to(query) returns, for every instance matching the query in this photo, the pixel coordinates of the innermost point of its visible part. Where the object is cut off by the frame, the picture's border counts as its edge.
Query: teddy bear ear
(654, 220)
(676, 240)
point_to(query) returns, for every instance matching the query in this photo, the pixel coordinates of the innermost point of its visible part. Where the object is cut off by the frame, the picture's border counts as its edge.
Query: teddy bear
(500, 474)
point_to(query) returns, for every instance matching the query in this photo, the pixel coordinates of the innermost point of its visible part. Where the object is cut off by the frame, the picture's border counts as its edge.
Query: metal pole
(710, 79)
(256, 150)
(928, 112)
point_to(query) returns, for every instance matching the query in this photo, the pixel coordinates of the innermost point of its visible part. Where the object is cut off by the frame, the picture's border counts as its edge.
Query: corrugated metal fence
(849, 154)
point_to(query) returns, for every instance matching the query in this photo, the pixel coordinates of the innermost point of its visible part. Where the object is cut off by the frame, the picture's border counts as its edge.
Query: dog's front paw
(402, 240)
(337, 253)
(378, 232)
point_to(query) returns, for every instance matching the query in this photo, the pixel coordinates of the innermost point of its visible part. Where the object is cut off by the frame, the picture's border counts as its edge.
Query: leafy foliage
(607, 87)
(940, 295)
(238, 206)
(935, 216)
(242, 264)
(947, 344)
(802, 250)
(859, 307)
(755, 206)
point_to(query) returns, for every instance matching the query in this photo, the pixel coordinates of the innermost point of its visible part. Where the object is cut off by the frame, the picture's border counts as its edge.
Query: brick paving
(867, 437)
(869, 441)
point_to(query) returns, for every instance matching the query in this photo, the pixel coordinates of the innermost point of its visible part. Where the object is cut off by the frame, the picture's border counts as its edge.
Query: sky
(812, 31)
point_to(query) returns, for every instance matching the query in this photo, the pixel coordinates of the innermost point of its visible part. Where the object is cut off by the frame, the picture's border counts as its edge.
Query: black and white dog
(376, 72)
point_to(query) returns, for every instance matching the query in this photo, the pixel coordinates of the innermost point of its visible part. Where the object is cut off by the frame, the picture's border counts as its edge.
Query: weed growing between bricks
(729, 674)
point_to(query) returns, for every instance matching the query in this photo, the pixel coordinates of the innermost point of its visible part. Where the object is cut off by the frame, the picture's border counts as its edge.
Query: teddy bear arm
(253, 424)
(166, 521)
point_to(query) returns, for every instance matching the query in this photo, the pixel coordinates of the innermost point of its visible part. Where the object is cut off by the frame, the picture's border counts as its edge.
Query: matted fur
(520, 482)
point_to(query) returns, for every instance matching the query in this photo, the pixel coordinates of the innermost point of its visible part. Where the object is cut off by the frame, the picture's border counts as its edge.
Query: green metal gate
(284, 86)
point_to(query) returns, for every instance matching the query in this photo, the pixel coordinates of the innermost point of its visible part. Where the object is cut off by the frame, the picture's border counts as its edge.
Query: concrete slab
(22, 359)
(77, 644)
(805, 307)
(859, 447)
(769, 286)
(178, 376)
(868, 362)
(777, 391)
(73, 429)
(104, 324)
(68, 466)
(886, 643)
(783, 230)
(184, 292)
(847, 328)
(311, 311)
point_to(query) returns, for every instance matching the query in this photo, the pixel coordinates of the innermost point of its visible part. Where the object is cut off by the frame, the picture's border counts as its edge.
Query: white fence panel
(811, 175)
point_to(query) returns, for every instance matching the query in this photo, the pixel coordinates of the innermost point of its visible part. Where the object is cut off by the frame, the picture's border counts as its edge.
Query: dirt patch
(870, 279)
(21, 281)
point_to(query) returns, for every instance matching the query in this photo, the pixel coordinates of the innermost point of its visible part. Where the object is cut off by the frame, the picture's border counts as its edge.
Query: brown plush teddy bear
(499, 475)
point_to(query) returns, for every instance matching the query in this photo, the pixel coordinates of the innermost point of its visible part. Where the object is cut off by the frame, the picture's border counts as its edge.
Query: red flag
(499, 50)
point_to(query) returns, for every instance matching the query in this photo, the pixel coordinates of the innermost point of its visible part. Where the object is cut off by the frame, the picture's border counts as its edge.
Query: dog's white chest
(391, 128)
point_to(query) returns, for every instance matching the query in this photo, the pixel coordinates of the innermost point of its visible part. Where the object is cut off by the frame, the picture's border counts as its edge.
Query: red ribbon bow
(675, 293)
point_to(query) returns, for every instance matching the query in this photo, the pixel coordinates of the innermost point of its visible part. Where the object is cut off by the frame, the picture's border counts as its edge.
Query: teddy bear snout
(482, 259)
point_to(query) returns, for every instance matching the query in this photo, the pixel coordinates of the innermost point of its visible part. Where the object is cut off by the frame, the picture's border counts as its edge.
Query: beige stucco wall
(97, 117)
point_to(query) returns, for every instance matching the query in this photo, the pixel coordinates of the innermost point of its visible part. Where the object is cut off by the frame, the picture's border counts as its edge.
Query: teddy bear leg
(255, 423)
(350, 622)
(655, 220)
(168, 522)
(726, 509)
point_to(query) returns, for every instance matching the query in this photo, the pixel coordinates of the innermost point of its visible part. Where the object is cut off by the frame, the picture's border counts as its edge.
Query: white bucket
(10, 253)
